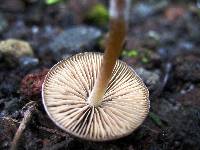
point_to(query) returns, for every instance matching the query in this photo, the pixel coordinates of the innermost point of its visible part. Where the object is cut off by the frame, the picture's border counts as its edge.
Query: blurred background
(162, 45)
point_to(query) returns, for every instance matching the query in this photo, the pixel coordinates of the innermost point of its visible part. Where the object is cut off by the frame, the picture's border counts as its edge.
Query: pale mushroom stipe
(95, 96)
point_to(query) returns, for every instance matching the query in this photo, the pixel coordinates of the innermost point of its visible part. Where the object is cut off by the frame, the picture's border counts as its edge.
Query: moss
(145, 60)
(130, 53)
(133, 53)
(142, 56)
(98, 14)
(52, 2)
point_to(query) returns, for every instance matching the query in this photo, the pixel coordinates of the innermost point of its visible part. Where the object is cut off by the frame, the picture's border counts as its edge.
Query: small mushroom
(95, 96)
(67, 88)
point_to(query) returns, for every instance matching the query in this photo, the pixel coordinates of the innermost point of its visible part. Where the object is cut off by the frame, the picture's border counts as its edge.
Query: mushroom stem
(118, 16)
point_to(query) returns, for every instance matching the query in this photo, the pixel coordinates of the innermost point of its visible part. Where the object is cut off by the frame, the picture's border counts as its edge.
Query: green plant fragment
(156, 119)
(52, 2)
(133, 53)
(98, 14)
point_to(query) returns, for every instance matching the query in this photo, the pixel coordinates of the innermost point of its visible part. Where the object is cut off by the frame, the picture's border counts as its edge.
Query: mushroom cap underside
(68, 85)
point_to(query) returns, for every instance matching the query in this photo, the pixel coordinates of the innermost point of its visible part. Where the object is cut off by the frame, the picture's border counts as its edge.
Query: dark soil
(163, 38)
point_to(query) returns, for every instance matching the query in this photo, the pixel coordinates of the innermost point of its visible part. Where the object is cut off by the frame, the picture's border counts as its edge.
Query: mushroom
(94, 96)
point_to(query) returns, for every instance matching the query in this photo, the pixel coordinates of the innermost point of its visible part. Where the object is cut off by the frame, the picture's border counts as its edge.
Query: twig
(31, 107)
(161, 86)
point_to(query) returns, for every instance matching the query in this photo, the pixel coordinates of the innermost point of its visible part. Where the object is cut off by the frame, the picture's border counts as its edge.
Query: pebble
(186, 45)
(16, 48)
(74, 40)
(172, 13)
(150, 78)
(35, 29)
(12, 50)
(2, 114)
(28, 62)
(142, 10)
(31, 84)
(153, 34)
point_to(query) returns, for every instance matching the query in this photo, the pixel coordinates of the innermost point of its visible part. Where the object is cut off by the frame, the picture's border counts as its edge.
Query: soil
(163, 37)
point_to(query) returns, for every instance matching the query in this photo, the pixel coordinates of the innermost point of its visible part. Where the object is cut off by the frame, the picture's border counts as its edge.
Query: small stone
(142, 10)
(172, 13)
(186, 45)
(150, 78)
(153, 34)
(152, 39)
(35, 29)
(28, 62)
(14, 47)
(3, 24)
(11, 50)
(187, 67)
(3, 114)
(31, 84)
(73, 40)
